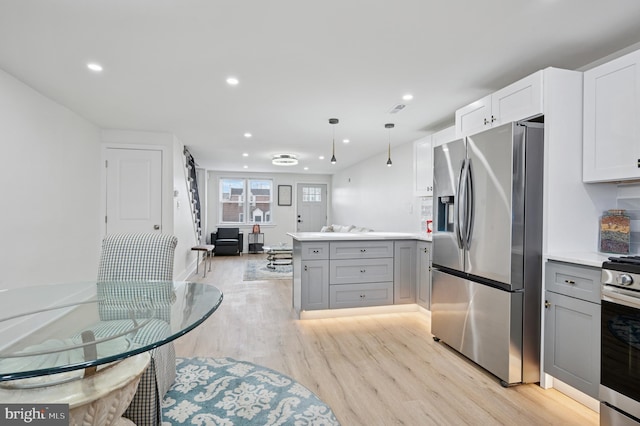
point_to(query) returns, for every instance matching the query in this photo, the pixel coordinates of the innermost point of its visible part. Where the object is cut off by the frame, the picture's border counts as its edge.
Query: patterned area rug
(227, 392)
(255, 270)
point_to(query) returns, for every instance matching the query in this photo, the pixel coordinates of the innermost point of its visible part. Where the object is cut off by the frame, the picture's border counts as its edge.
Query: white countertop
(582, 258)
(357, 236)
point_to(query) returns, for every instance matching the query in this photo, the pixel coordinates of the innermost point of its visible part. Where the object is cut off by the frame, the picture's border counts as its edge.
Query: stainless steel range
(620, 347)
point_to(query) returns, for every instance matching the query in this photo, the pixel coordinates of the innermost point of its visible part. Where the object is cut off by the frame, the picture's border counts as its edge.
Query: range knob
(624, 279)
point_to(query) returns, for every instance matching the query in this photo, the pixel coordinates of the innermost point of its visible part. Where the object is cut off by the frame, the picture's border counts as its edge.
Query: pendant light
(333, 121)
(389, 126)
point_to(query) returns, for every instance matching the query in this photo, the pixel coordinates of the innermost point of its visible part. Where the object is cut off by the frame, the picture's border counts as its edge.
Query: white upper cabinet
(518, 101)
(611, 150)
(423, 167)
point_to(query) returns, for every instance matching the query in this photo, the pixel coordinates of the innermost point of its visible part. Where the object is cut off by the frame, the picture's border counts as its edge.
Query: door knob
(156, 227)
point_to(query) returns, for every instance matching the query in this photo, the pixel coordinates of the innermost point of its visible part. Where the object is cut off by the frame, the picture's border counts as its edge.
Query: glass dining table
(79, 343)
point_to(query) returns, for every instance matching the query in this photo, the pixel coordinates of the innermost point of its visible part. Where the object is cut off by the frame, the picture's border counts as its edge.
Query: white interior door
(312, 207)
(134, 190)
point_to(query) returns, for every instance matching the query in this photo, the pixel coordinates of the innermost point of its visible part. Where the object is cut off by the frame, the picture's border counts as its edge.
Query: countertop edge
(357, 236)
(594, 259)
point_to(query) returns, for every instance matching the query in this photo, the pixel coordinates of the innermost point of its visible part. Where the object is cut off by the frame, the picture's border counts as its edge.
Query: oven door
(620, 350)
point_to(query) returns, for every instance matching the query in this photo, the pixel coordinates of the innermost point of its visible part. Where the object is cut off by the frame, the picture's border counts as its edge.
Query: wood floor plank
(372, 370)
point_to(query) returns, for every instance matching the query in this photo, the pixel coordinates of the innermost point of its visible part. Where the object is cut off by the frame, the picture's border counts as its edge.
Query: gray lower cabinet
(572, 331)
(423, 274)
(404, 272)
(348, 274)
(315, 284)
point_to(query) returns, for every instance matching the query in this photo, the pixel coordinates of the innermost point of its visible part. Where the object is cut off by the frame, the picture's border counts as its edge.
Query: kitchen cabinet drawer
(572, 342)
(314, 251)
(358, 295)
(582, 282)
(360, 271)
(360, 249)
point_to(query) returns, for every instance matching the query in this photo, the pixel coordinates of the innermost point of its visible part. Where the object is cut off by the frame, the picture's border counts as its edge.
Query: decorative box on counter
(615, 232)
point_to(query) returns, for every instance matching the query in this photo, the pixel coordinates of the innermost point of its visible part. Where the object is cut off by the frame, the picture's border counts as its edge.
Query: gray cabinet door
(314, 284)
(423, 274)
(404, 272)
(572, 342)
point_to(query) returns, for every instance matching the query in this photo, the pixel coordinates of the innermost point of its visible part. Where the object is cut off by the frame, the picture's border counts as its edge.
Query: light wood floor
(371, 370)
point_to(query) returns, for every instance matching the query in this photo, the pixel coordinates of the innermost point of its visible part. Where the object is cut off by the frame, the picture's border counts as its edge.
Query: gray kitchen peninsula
(336, 271)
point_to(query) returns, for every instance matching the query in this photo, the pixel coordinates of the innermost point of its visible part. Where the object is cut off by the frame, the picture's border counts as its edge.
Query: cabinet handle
(493, 119)
(363, 270)
(569, 281)
(305, 267)
(315, 251)
(486, 121)
(639, 163)
(363, 250)
(362, 296)
(547, 304)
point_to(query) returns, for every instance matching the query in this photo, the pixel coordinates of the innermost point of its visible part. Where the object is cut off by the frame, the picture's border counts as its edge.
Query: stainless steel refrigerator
(487, 245)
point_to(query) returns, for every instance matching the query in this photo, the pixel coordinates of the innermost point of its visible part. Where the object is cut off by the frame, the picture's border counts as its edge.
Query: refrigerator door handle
(461, 206)
(469, 206)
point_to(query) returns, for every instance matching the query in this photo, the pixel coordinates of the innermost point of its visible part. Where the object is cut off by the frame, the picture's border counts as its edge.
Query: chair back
(228, 233)
(141, 256)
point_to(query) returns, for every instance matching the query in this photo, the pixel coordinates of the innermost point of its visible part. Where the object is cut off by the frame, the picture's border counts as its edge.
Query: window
(311, 195)
(245, 198)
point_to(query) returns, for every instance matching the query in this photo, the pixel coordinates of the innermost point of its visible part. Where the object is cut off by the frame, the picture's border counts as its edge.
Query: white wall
(49, 166)
(375, 196)
(284, 217)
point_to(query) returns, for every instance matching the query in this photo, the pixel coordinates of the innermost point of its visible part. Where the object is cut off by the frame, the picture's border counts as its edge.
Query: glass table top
(64, 331)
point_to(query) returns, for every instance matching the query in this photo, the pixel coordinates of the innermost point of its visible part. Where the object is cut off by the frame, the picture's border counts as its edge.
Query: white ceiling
(299, 63)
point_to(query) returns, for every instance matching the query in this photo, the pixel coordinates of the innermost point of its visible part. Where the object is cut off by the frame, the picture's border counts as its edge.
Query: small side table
(256, 242)
(207, 251)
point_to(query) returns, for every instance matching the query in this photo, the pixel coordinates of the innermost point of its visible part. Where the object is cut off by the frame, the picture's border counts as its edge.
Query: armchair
(227, 241)
(130, 257)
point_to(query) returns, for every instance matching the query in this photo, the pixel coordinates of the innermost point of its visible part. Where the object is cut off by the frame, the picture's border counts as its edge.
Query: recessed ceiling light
(245, 167)
(407, 97)
(321, 157)
(94, 67)
(306, 168)
(345, 140)
(232, 81)
(245, 154)
(247, 135)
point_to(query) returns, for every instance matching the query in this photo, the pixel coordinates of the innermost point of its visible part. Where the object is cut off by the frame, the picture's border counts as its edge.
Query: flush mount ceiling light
(94, 67)
(389, 126)
(284, 160)
(333, 122)
(232, 81)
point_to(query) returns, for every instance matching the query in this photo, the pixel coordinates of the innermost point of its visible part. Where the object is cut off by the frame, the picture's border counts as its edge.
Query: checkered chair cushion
(132, 257)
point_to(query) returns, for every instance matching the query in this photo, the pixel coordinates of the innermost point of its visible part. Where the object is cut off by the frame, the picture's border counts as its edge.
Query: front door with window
(312, 207)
